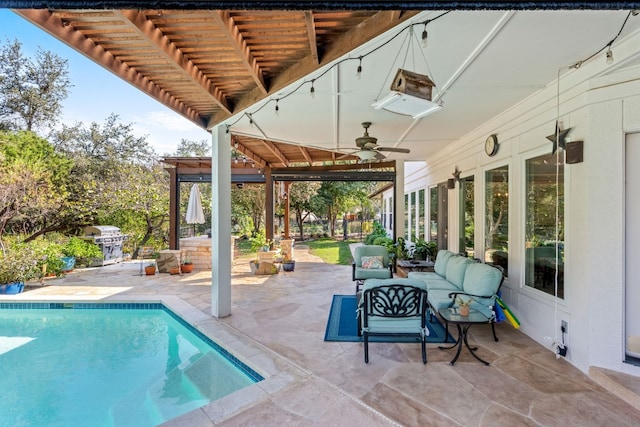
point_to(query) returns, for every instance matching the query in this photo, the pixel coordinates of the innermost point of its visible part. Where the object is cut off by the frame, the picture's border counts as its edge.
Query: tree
(31, 90)
(32, 180)
(248, 203)
(111, 167)
(336, 198)
(188, 148)
(300, 194)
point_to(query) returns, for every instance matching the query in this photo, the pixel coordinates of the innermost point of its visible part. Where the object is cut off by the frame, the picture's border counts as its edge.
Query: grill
(110, 241)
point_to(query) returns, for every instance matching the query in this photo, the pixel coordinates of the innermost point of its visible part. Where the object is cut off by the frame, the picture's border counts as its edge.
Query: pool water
(86, 365)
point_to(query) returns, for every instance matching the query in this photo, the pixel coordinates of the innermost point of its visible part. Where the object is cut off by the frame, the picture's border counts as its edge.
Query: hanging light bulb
(313, 89)
(235, 160)
(425, 36)
(227, 130)
(277, 108)
(609, 55)
(359, 72)
(250, 119)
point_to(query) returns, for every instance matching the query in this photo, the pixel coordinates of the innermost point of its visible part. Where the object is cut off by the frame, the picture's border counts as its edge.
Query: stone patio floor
(277, 327)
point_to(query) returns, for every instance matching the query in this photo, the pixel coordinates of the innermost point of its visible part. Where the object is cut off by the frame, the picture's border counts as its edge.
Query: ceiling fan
(369, 150)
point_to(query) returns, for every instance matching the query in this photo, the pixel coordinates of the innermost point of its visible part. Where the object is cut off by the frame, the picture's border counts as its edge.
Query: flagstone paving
(277, 326)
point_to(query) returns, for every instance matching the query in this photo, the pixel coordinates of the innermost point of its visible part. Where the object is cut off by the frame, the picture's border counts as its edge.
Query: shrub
(382, 241)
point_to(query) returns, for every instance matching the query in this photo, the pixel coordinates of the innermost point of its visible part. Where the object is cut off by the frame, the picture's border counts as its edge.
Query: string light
(609, 56)
(250, 118)
(359, 69)
(277, 108)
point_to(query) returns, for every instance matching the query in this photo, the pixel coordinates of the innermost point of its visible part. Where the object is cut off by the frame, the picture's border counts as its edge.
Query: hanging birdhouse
(413, 84)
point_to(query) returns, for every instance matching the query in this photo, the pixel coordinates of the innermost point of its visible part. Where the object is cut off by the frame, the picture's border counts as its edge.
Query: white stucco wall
(601, 106)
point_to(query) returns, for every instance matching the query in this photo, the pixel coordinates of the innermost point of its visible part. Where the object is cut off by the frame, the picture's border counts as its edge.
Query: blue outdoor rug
(343, 325)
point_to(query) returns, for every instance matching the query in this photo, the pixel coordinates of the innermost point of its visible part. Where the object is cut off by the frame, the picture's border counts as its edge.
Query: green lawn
(331, 251)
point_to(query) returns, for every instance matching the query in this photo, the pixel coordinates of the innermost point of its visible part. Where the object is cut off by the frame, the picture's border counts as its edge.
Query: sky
(96, 92)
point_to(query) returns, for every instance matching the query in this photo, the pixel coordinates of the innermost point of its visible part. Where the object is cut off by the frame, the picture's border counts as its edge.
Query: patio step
(626, 387)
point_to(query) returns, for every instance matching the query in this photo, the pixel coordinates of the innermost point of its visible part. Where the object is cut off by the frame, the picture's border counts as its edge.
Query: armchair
(393, 307)
(370, 262)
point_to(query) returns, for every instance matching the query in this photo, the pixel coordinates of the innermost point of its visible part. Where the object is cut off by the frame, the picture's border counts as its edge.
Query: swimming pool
(96, 364)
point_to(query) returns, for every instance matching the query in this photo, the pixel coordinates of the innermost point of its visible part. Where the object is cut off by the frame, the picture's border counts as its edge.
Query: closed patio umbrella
(195, 215)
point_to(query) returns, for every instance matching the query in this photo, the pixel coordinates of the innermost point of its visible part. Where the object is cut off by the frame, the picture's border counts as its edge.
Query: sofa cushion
(433, 280)
(390, 325)
(372, 283)
(372, 273)
(481, 279)
(439, 298)
(456, 268)
(442, 259)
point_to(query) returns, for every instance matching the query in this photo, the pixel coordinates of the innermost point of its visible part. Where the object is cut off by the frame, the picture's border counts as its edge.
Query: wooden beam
(259, 161)
(53, 25)
(311, 31)
(367, 30)
(224, 20)
(276, 152)
(305, 154)
(169, 51)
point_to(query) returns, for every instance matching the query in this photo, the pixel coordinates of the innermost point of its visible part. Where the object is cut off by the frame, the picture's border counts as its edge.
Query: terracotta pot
(186, 268)
(150, 270)
(175, 270)
(463, 310)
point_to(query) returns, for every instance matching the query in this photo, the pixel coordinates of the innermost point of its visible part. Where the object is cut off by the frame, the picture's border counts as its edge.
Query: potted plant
(253, 265)
(187, 266)
(288, 264)
(76, 250)
(424, 250)
(463, 305)
(18, 263)
(150, 268)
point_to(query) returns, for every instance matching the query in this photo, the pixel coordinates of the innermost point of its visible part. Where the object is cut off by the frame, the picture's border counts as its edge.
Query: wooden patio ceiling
(209, 65)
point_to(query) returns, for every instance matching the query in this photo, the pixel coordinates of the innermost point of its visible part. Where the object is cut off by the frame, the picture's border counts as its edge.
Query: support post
(287, 184)
(174, 206)
(398, 201)
(269, 210)
(220, 223)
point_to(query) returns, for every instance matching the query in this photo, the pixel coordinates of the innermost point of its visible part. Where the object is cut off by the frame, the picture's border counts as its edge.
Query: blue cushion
(482, 279)
(442, 259)
(456, 268)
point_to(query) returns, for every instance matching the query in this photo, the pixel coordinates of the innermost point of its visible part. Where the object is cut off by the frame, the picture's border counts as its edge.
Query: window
(390, 218)
(421, 231)
(544, 228)
(467, 217)
(433, 213)
(407, 228)
(413, 217)
(496, 213)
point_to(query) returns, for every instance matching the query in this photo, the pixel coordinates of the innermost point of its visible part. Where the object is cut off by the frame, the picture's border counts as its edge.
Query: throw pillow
(372, 262)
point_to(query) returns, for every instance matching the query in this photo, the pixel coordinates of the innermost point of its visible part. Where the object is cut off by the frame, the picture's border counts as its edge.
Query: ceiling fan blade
(380, 156)
(394, 149)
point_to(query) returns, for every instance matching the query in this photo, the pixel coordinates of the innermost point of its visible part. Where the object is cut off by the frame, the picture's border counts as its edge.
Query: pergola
(198, 169)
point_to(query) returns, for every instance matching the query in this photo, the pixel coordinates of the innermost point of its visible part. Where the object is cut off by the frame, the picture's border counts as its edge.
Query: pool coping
(278, 373)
